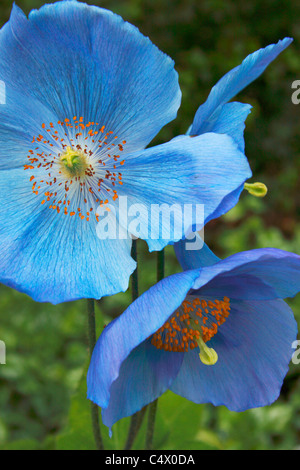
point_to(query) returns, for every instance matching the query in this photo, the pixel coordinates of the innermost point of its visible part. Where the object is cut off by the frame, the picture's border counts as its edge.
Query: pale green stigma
(256, 189)
(208, 356)
(73, 162)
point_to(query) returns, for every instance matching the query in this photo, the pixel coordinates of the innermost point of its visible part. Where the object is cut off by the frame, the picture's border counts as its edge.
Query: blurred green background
(41, 406)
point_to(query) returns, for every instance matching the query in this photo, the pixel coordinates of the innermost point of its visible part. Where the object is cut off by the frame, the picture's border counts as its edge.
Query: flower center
(195, 323)
(73, 163)
(76, 167)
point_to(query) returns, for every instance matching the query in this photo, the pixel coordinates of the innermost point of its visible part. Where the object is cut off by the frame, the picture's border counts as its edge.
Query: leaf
(179, 424)
(78, 434)
(22, 444)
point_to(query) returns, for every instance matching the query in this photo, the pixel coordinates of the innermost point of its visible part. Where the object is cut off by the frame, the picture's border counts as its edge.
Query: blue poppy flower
(86, 92)
(220, 334)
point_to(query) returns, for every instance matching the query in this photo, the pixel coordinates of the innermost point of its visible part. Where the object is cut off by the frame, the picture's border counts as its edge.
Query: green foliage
(46, 345)
(174, 415)
(45, 352)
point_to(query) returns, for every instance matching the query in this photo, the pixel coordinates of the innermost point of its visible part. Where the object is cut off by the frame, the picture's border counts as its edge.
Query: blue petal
(228, 202)
(80, 60)
(187, 170)
(144, 376)
(233, 82)
(238, 286)
(254, 347)
(276, 269)
(53, 257)
(143, 318)
(194, 259)
(21, 120)
(231, 121)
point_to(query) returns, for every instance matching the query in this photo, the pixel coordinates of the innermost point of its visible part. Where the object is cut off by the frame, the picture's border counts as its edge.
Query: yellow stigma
(194, 324)
(73, 162)
(256, 189)
(208, 356)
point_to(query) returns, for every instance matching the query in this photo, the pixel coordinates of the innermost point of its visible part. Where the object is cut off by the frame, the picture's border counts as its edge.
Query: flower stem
(92, 342)
(135, 425)
(151, 425)
(135, 275)
(137, 418)
(160, 265)
(153, 406)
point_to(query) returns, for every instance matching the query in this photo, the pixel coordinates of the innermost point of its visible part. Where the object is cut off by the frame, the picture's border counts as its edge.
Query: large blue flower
(86, 92)
(220, 334)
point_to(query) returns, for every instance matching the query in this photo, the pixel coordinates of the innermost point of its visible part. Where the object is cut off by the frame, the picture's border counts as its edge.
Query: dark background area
(46, 345)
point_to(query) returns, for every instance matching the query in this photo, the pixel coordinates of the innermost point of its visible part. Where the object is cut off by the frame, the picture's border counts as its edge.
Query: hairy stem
(153, 406)
(135, 275)
(137, 418)
(160, 265)
(135, 425)
(151, 425)
(92, 342)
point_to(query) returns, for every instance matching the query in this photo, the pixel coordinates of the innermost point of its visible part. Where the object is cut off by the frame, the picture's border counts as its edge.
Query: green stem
(135, 425)
(153, 406)
(92, 342)
(137, 418)
(135, 275)
(151, 425)
(160, 265)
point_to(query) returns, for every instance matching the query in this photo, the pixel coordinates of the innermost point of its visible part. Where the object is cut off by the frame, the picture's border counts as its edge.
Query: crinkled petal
(243, 286)
(254, 347)
(194, 259)
(20, 121)
(231, 121)
(73, 59)
(233, 82)
(187, 170)
(277, 269)
(144, 376)
(142, 319)
(53, 257)
(228, 202)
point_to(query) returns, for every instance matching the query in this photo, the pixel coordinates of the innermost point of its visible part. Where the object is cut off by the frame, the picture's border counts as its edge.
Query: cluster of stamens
(77, 165)
(195, 323)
